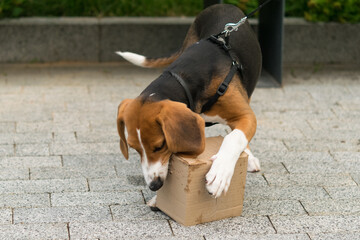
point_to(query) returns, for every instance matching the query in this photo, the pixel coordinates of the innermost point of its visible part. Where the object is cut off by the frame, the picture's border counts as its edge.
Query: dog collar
(185, 87)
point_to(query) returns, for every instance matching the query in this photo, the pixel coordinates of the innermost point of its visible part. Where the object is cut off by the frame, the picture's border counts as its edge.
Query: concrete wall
(96, 40)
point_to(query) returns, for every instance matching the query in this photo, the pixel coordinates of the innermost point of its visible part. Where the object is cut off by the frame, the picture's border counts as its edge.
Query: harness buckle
(222, 88)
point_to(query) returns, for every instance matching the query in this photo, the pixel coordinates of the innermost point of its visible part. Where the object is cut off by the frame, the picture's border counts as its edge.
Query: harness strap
(235, 67)
(221, 89)
(185, 87)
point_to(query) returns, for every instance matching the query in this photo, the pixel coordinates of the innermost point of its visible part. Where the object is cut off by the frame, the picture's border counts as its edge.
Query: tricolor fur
(158, 121)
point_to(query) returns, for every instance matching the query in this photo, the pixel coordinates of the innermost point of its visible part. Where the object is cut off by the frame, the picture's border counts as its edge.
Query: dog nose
(156, 184)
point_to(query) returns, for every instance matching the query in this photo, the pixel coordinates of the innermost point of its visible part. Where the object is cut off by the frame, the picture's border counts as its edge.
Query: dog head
(156, 130)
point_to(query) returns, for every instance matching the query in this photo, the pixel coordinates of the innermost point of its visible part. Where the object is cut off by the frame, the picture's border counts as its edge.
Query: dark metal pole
(208, 3)
(271, 37)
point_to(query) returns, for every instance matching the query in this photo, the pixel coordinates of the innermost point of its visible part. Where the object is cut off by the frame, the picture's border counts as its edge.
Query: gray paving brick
(62, 214)
(64, 137)
(91, 137)
(356, 177)
(323, 146)
(7, 150)
(7, 127)
(96, 198)
(347, 156)
(135, 212)
(34, 231)
(32, 150)
(237, 225)
(315, 224)
(67, 172)
(124, 229)
(114, 184)
(24, 200)
(79, 161)
(255, 179)
(315, 167)
(258, 237)
(335, 236)
(14, 173)
(349, 192)
(85, 148)
(286, 193)
(333, 207)
(26, 138)
(42, 186)
(266, 145)
(289, 157)
(306, 179)
(38, 126)
(5, 216)
(262, 207)
(30, 161)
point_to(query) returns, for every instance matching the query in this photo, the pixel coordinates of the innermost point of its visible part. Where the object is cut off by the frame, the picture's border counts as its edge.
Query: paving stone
(79, 161)
(64, 137)
(7, 150)
(113, 184)
(42, 186)
(255, 179)
(7, 127)
(253, 207)
(67, 172)
(333, 207)
(350, 192)
(315, 167)
(306, 179)
(24, 200)
(289, 157)
(335, 236)
(272, 167)
(14, 173)
(30, 161)
(84, 148)
(356, 177)
(62, 214)
(32, 150)
(26, 138)
(126, 229)
(231, 226)
(92, 137)
(266, 145)
(34, 231)
(258, 237)
(38, 126)
(96, 198)
(135, 212)
(315, 224)
(347, 156)
(286, 193)
(5, 216)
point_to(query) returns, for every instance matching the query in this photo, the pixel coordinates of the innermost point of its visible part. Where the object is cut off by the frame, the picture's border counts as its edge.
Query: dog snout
(156, 184)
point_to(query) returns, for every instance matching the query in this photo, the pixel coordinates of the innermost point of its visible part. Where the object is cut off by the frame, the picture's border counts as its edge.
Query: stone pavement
(62, 175)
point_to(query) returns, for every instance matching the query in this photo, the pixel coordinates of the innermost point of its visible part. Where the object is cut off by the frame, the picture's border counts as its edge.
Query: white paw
(253, 164)
(219, 177)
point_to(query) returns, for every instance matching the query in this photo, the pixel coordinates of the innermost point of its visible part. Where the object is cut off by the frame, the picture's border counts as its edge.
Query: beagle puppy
(158, 123)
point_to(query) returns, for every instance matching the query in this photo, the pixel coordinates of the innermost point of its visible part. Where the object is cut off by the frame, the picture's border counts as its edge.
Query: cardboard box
(184, 197)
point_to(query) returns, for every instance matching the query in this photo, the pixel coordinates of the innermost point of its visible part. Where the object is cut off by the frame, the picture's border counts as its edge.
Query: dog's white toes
(218, 178)
(253, 164)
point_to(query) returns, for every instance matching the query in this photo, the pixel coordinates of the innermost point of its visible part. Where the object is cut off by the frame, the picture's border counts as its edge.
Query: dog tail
(143, 61)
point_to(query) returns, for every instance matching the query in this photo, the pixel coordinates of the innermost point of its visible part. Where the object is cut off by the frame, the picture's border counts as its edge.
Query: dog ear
(121, 127)
(184, 130)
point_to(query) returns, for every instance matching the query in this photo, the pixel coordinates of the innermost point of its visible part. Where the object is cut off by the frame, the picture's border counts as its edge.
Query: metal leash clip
(230, 27)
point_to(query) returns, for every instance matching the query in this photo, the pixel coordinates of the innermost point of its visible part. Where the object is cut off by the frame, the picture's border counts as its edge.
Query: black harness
(223, 42)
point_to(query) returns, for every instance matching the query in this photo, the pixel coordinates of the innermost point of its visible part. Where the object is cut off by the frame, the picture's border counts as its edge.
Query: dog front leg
(219, 177)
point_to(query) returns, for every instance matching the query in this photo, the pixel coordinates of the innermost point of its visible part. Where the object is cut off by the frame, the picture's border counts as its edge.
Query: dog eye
(156, 149)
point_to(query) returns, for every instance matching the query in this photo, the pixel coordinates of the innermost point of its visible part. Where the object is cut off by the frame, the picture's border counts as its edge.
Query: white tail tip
(134, 58)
